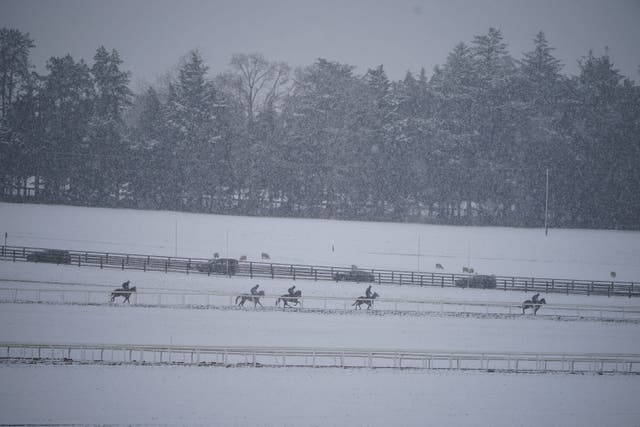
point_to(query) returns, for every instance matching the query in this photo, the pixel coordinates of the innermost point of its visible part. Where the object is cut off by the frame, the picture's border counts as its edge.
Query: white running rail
(327, 303)
(310, 357)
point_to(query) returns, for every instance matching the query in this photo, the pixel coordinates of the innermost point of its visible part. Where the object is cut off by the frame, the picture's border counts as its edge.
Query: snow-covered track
(323, 304)
(310, 357)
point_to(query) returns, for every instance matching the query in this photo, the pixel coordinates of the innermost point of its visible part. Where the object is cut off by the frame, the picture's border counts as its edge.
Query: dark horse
(250, 297)
(289, 298)
(535, 306)
(124, 293)
(365, 300)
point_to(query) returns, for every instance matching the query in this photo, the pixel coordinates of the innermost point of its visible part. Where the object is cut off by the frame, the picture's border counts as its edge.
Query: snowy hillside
(188, 395)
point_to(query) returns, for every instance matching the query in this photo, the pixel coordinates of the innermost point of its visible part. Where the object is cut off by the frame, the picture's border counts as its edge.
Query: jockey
(254, 290)
(291, 290)
(125, 285)
(368, 292)
(534, 299)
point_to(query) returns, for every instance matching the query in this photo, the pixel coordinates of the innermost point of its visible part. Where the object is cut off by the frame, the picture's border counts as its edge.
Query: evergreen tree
(107, 143)
(66, 108)
(14, 66)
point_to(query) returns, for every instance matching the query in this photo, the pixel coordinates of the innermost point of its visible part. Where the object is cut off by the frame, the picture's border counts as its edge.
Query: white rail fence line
(328, 303)
(320, 357)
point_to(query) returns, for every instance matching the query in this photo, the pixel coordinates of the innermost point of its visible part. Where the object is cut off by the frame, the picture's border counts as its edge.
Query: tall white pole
(418, 252)
(546, 206)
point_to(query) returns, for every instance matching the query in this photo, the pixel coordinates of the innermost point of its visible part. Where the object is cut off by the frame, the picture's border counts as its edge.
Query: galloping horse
(535, 306)
(250, 297)
(289, 298)
(365, 300)
(124, 293)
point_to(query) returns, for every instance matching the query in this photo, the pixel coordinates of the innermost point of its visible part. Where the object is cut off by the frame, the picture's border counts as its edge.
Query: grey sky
(152, 36)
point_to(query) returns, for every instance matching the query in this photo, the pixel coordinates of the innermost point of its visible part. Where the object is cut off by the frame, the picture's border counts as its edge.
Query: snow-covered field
(75, 394)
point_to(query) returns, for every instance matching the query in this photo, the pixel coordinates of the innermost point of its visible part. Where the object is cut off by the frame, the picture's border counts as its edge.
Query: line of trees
(469, 144)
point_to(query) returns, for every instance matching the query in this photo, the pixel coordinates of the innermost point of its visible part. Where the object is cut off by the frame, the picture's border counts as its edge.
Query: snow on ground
(161, 395)
(131, 325)
(577, 254)
(52, 394)
(29, 275)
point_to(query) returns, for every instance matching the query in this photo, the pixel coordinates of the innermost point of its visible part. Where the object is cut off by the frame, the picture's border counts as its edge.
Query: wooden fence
(327, 273)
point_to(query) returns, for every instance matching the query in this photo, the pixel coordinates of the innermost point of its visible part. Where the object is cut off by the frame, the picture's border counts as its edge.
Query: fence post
(251, 269)
(271, 270)
(122, 264)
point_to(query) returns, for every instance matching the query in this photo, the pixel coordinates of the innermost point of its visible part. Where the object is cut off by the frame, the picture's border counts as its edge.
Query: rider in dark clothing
(534, 298)
(368, 292)
(254, 290)
(291, 290)
(125, 285)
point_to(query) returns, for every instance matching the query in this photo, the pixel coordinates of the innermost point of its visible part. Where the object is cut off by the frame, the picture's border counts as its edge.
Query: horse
(535, 306)
(364, 300)
(289, 298)
(124, 293)
(250, 297)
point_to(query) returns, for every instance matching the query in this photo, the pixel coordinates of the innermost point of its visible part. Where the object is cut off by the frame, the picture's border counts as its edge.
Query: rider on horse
(254, 290)
(125, 285)
(291, 290)
(534, 299)
(368, 292)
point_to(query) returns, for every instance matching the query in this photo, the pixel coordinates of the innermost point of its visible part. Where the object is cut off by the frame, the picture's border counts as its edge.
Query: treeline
(469, 144)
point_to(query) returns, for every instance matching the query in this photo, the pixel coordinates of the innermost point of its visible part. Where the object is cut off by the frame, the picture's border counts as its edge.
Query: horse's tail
(238, 297)
(355, 302)
(278, 300)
